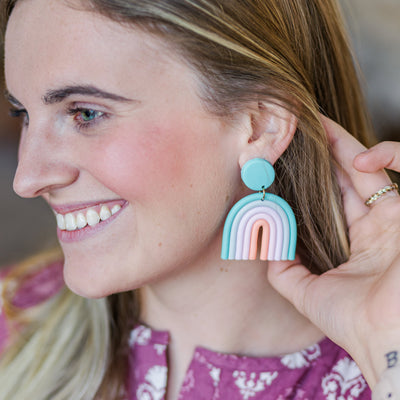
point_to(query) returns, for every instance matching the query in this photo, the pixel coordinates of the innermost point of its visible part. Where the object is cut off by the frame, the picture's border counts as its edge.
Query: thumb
(292, 279)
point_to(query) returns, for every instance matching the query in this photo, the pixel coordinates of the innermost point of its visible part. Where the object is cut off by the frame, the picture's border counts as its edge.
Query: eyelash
(75, 112)
(18, 113)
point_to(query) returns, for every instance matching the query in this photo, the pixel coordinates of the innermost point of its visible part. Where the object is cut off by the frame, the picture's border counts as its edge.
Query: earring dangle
(261, 210)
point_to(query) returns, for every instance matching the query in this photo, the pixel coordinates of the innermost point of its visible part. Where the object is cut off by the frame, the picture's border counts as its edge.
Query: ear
(272, 130)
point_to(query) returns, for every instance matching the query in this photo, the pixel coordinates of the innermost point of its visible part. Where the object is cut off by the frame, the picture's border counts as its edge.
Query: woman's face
(113, 125)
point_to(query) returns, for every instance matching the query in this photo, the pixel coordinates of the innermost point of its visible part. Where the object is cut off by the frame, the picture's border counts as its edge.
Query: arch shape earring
(261, 210)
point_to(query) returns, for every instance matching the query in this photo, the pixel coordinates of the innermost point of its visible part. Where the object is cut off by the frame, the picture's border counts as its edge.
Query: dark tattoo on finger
(392, 359)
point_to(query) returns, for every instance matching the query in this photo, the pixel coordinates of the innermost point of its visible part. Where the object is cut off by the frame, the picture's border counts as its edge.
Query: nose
(42, 164)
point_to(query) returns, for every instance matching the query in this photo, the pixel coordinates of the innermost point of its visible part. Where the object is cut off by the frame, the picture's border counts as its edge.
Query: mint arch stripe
(247, 203)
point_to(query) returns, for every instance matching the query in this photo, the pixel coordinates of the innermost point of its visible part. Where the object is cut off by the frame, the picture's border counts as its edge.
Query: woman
(137, 119)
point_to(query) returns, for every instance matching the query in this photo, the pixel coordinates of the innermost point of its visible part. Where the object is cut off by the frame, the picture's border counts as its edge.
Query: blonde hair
(294, 52)
(44, 359)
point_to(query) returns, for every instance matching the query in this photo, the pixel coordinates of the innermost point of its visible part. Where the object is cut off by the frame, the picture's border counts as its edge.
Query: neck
(225, 306)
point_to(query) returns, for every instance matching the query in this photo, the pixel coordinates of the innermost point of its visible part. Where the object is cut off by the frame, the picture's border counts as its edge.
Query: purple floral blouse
(323, 371)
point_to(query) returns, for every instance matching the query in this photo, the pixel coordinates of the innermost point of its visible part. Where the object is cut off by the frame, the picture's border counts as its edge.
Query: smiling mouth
(89, 216)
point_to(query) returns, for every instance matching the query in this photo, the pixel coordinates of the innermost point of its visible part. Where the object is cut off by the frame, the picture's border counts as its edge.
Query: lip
(69, 208)
(84, 233)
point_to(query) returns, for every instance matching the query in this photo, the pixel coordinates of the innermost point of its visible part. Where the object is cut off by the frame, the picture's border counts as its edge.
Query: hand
(357, 304)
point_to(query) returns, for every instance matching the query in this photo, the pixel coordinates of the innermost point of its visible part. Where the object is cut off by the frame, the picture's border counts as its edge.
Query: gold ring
(381, 193)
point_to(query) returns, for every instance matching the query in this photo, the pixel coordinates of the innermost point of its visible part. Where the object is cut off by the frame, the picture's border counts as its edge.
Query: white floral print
(250, 385)
(345, 382)
(160, 348)
(141, 335)
(215, 374)
(188, 383)
(155, 385)
(302, 358)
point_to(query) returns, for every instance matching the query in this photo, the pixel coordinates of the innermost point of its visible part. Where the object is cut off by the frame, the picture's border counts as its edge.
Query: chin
(83, 289)
(94, 279)
(80, 279)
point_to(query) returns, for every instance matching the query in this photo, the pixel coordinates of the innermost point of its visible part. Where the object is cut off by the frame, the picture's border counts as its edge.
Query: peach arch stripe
(265, 240)
(249, 232)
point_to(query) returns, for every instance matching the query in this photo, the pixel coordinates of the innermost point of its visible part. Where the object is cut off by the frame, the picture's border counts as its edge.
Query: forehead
(76, 44)
(46, 24)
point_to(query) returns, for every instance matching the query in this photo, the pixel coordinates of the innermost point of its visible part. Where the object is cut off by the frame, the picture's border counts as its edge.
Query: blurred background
(27, 225)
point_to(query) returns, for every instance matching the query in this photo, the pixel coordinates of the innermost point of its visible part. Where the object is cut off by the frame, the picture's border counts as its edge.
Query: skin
(178, 168)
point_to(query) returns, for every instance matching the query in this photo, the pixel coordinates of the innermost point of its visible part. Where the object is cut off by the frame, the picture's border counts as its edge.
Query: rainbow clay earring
(257, 211)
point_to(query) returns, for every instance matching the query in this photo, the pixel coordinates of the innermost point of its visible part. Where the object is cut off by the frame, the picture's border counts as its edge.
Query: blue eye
(86, 117)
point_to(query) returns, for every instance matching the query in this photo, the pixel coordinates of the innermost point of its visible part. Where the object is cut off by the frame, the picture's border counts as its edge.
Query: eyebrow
(58, 95)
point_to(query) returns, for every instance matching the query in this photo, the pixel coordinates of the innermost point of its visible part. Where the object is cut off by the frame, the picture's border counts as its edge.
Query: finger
(353, 204)
(345, 148)
(383, 155)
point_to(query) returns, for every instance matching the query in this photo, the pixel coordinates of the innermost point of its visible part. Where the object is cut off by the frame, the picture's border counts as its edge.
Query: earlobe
(273, 128)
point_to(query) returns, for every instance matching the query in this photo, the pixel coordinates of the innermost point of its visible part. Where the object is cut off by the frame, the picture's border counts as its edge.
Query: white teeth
(92, 217)
(60, 221)
(115, 209)
(105, 213)
(81, 221)
(70, 222)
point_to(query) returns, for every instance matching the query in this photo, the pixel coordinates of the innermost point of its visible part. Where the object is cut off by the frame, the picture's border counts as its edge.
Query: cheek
(143, 164)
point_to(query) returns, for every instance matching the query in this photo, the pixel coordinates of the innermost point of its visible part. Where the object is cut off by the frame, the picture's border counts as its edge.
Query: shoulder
(26, 285)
